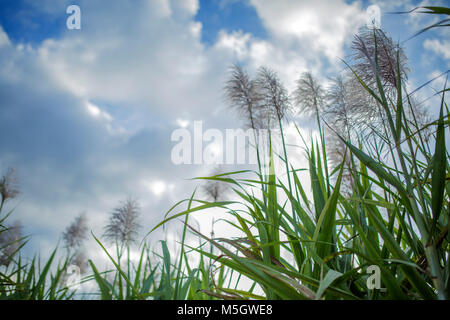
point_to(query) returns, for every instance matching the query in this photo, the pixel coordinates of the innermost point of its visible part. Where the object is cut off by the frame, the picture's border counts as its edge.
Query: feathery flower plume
(274, 97)
(213, 189)
(8, 186)
(10, 243)
(241, 93)
(123, 223)
(364, 46)
(76, 232)
(309, 95)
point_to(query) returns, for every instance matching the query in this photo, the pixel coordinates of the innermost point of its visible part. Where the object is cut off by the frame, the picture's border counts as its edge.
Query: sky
(86, 116)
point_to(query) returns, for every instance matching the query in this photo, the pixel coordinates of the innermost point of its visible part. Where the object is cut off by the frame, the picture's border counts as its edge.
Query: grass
(396, 217)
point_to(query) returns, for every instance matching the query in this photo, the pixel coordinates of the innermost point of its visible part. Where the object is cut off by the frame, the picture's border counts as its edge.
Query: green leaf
(102, 283)
(39, 288)
(119, 269)
(319, 199)
(325, 225)
(437, 10)
(330, 277)
(376, 168)
(439, 171)
(199, 208)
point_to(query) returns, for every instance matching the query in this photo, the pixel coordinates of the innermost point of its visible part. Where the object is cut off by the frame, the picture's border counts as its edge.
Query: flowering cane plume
(8, 186)
(364, 46)
(10, 236)
(338, 112)
(73, 237)
(309, 95)
(274, 96)
(418, 117)
(76, 232)
(348, 107)
(80, 260)
(336, 150)
(340, 116)
(213, 189)
(241, 93)
(10, 242)
(391, 59)
(124, 223)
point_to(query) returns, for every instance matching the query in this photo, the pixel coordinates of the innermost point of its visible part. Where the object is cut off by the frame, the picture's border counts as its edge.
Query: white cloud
(324, 26)
(441, 48)
(182, 122)
(393, 5)
(189, 6)
(96, 112)
(151, 57)
(301, 37)
(158, 188)
(438, 84)
(4, 39)
(237, 43)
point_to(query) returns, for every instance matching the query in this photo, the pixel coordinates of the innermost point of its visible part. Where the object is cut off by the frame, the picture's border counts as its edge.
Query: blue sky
(24, 22)
(86, 115)
(228, 15)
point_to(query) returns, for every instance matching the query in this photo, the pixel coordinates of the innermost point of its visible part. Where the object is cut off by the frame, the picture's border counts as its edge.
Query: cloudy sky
(86, 116)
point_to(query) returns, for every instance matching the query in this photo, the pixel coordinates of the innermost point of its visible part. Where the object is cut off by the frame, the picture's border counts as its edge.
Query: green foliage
(397, 216)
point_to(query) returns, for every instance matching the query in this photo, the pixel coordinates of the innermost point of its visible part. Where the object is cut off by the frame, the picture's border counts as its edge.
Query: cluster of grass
(395, 216)
(154, 276)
